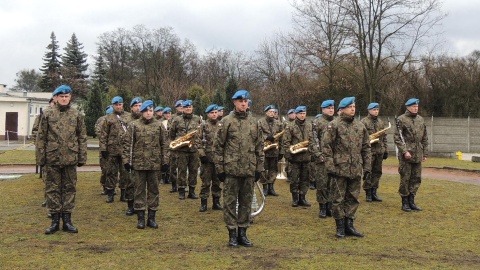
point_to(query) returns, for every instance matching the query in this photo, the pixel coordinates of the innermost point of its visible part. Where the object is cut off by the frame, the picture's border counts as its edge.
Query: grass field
(445, 235)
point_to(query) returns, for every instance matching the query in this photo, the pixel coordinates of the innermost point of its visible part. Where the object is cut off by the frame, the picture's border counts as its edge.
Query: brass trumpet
(299, 147)
(185, 140)
(375, 137)
(267, 145)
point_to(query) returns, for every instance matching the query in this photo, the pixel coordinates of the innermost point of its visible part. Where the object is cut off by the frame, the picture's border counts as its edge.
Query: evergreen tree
(219, 97)
(74, 62)
(200, 99)
(96, 100)
(230, 90)
(51, 78)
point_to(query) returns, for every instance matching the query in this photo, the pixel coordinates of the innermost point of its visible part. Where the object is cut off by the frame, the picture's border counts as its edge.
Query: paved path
(26, 169)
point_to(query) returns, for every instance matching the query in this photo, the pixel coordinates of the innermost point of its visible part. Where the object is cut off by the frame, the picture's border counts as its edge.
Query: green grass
(443, 236)
(28, 157)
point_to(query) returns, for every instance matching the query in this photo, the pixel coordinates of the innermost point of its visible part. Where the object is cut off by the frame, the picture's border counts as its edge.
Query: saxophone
(375, 137)
(183, 141)
(267, 145)
(299, 147)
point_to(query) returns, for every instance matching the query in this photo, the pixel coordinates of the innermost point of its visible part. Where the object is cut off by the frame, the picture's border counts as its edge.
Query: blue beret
(373, 105)
(62, 89)
(148, 104)
(220, 108)
(346, 102)
(117, 99)
(291, 111)
(211, 107)
(135, 101)
(327, 103)
(412, 101)
(109, 110)
(318, 115)
(158, 108)
(167, 110)
(187, 103)
(269, 107)
(301, 109)
(241, 94)
(178, 103)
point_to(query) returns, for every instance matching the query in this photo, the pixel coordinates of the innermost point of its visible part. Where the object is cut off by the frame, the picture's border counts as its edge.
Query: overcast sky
(236, 25)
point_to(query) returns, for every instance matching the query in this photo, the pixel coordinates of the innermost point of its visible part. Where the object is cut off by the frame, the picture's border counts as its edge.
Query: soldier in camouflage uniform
(110, 145)
(166, 116)
(145, 152)
(379, 152)
(324, 196)
(412, 142)
(239, 162)
(173, 155)
(220, 113)
(61, 147)
(299, 131)
(290, 118)
(187, 157)
(208, 174)
(102, 161)
(158, 113)
(270, 127)
(346, 148)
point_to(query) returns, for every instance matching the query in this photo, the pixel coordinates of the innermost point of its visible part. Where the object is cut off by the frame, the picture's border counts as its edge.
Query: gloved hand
(385, 155)
(165, 167)
(105, 154)
(270, 138)
(367, 175)
(280, 156)
(80, 164)
(257, 175)
(221, 176)
(127, 167)
(204, 159)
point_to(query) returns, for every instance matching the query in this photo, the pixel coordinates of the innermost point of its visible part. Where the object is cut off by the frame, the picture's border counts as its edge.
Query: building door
(11, 126)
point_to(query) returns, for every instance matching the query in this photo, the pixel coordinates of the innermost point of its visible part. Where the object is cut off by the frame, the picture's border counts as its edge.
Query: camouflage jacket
(270, 128)
(346, 147)
(374, 124)
(36, 123)
(181, 126)
(320, 125)
(130, 117)
(414, 133)
(144, 145)
(98, 125)
(298, 131)
(207, 136)
(239, 145)
(62, 137)
(111, 134)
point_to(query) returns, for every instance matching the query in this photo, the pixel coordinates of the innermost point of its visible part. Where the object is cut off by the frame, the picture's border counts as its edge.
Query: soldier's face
(301, 115)
(291, 116)
(374, 111)
(220, 113)
(270, 113)
(118, 107)
(330, 110)
(148, 114)
(179, 109)
(241, 105)
(64, 99)
(167, 115)
(188, 109)
(159, 113)
(413, 108)
(213, 115)
(136, 107)
(349, 110)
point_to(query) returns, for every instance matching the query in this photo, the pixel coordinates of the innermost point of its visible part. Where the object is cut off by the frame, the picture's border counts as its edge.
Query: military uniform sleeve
(200, 143)
(259, 150)
(286, 140)
(402, 148)
(313, 147)
(41, 140)
(328, 141)
(425, 141)
(219, 146)
(82, 139)
(366, 150)
(104, 132)
(36, 123)
(164, 144)
(384, 142)
(127, 144)
(172, 131)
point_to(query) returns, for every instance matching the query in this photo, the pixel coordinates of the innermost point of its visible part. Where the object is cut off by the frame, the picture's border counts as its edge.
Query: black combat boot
(271, 190)
(242, 237)
(323, 210)
(340, 228)
(110, 195)
(141, 219)
(302, 201)
(375, 197)
(368, 195)
(294, 199)
(55, 226)
(67, 223)
(350, 230)
(166, 178)
(181, 193)
(265, 189)
(329, 209)
(216, 204)
(232, 238)
(174, 187)
(122, 195)
(191, 193)
(151, 219)
(405, 204)
(411, 202)
(130, 209)
(203, 205)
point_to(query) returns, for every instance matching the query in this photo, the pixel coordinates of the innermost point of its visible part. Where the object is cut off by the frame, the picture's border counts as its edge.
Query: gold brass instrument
(267, 145)
(282, 167)
(375, 137)
(185, 140)
(299, 147)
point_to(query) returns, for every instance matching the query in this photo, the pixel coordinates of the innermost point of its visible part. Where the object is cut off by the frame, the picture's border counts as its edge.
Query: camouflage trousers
(377, 161)
(187, 162)
(271, 170)
(130, 186)
(299, 177)
(324, 183)
(114, 166)
(60, 188)
(146, 190)
(240, 188)
(209, 181)
(345, 192)
(173, 165)
(103, 168)
(410, 177)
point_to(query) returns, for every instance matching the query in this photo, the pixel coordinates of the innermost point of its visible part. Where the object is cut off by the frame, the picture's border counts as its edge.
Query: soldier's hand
(127, 166)
(313, 158)
(80, 164)
(367, 175)
(221, 176)
(257, 175)
(270, 138)
(408, 155)
(204, 159)
(165, 167)
(105, 154)
(280, 156)
(385, 155)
